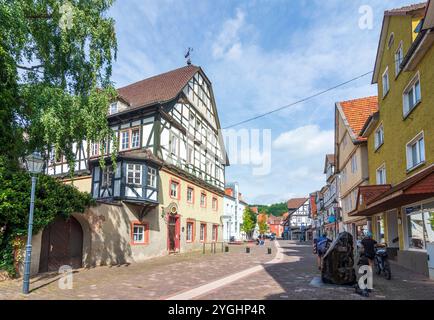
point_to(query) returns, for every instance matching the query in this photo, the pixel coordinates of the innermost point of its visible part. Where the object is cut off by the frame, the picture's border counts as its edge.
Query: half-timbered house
(163, 194)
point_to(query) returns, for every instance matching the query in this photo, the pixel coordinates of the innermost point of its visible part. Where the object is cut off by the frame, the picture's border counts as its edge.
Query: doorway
(62, 244)
(173, 234)
(392, 229)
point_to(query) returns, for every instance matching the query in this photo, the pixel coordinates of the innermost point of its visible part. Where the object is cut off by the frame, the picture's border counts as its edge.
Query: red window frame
(215, 232)
(216, 203)
(192, 222)
(204, 231)
(178, 188)
(145, 233)
(200, 200)
(192, 198)
(130, 138)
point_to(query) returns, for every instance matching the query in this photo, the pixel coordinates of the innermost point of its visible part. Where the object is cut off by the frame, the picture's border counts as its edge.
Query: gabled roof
(383, 35)
(296, 203)
(355, 113)
(157, 89)
(329, 158)
(429, 16)
(405, 10)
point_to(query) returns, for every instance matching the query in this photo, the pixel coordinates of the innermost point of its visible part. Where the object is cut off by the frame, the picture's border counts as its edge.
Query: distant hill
(276, 209)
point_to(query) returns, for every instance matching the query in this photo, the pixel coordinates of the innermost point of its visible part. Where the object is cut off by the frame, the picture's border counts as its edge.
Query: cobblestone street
(291, 274)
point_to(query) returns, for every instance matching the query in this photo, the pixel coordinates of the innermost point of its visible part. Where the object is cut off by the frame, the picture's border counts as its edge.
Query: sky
(261, 55)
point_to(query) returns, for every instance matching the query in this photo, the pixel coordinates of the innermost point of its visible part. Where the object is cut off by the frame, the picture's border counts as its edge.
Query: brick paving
(156, 278)
(160, 278)
(292, 279)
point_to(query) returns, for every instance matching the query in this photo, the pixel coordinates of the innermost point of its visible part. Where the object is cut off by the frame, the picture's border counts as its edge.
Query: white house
(233, 209)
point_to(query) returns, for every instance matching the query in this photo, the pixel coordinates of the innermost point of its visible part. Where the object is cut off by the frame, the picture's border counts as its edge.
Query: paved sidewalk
(297, 277)
(157, 278)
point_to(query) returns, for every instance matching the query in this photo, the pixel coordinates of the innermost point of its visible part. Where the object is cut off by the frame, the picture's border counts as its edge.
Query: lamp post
(34, 164)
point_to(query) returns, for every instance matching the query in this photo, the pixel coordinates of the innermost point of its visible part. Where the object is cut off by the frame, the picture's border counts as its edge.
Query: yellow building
(400, 197)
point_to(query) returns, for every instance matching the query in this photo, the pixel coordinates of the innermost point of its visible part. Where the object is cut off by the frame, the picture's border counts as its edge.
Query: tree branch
(32, 68)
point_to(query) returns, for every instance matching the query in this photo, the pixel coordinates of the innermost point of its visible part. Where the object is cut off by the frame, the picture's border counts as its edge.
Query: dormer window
(113, 108)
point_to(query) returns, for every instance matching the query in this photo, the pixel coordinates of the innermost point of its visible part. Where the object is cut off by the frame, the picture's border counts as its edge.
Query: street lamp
(34, 164)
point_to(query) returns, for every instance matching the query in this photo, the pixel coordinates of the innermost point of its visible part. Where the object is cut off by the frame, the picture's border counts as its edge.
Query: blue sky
(260, 55)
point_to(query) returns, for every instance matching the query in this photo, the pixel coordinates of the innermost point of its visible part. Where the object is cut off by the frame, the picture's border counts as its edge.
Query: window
(354, 163)
(420, 229)
(190, 195)
(94, 150)
(412, 95)
(391, 40)
(135, 138)
(107, 176)
(381, 175)
(379, 137)
(174, 189)
(134, 174)
(399, 57)
(130, 138)
(152, 177)
(214, 203)
(214, 232)
(174, 145)
(125, 140)
(113, 107)
(415, 151)
(139, 233)
(189, 155)
(190, 232)
(203, 199)
(203, 232)
(385, 82)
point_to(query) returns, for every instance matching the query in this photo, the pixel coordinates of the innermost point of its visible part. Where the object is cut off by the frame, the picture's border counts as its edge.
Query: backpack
(322, 245)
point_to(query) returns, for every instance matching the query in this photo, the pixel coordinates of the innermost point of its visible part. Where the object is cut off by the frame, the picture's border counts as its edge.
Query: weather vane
(187, 55)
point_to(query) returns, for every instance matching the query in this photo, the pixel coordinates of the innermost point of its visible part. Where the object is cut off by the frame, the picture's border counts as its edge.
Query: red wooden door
(173, 234)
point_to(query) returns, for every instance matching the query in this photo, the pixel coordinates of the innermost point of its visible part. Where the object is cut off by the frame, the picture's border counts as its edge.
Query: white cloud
(227, 43)
(305, 141)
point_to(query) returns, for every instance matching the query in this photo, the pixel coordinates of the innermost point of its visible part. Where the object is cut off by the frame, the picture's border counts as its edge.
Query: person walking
(321, 248)
(369, 245)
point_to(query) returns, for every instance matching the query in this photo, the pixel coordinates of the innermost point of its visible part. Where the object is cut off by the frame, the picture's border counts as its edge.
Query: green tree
(249, 222)
(263, 226)
(53, 199)
(276, 209)
(55, 77)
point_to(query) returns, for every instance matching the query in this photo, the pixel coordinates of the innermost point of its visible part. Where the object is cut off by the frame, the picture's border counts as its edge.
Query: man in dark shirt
(369, 248)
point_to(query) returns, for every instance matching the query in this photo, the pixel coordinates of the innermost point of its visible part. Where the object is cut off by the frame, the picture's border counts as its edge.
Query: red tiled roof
(229, 192)
(254, 209)
(357, 112)
(405, 9)
(370, 192)
(159, 88)
(296, 203)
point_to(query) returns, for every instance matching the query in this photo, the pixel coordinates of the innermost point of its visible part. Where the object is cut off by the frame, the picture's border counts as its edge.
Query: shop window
(420, 226)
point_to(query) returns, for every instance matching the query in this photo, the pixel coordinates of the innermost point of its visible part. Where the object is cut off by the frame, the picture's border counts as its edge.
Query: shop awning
(374, 199)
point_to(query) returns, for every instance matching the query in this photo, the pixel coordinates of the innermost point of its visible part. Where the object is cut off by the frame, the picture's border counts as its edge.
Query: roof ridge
(159, 75)
(407, 8)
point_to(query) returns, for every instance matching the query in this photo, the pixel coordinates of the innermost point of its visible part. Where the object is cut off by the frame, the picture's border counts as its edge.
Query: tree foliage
(55, 82)
(276, 209)
(262, 224)
(249, 222)
(53, 199)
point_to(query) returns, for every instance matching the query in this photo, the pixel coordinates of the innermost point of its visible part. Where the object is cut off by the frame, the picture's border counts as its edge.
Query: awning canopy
(380, 198)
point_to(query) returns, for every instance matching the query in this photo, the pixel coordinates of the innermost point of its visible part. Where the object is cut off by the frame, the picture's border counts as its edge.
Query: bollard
(269, 250)
(226, 248)
(247, 250)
